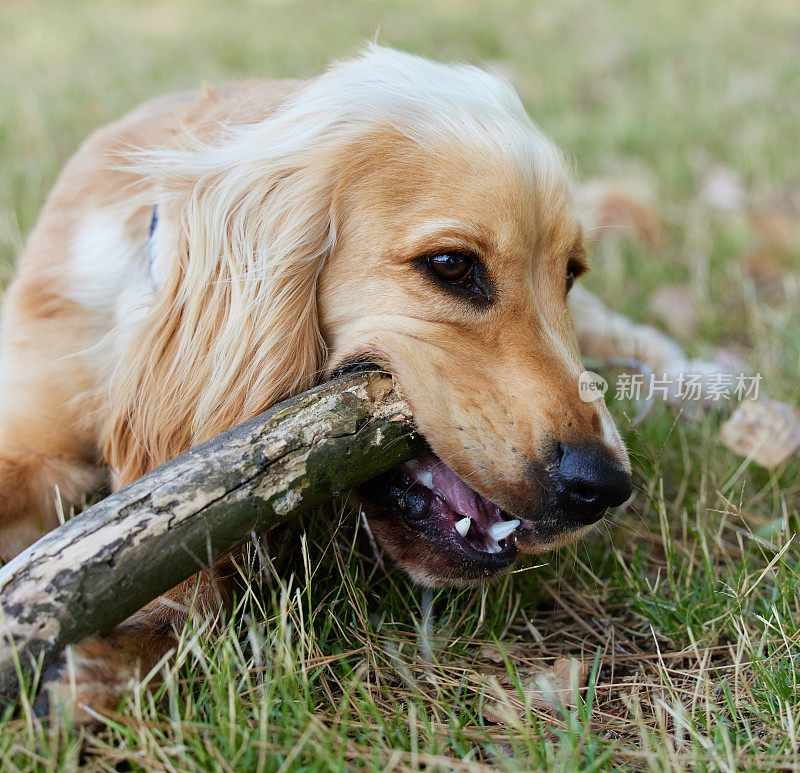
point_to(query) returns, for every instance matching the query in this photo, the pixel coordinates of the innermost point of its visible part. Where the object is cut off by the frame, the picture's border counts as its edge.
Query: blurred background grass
(688, 592)
(672, 84)
(662, 90)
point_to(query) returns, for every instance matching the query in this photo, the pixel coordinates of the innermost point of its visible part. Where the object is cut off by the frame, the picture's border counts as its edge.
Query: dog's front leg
(96, 674)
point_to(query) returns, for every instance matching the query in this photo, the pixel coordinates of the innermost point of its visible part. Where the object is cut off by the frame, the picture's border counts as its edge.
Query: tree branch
(88, 575)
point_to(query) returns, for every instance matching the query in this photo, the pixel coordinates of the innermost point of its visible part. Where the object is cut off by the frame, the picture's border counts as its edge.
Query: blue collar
(151, 257)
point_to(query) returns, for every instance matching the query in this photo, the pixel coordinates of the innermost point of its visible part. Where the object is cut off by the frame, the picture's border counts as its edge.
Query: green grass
(686, 603)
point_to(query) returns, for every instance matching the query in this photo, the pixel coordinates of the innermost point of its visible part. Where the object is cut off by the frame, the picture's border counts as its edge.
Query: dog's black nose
(588, 480)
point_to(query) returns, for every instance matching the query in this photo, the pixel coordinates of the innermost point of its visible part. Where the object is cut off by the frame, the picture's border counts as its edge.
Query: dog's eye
(461, 274)
(452, 267)
(574, 270)
(571, 277)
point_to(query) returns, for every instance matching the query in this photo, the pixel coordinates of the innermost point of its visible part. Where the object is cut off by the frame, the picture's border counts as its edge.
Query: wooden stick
(88, 575)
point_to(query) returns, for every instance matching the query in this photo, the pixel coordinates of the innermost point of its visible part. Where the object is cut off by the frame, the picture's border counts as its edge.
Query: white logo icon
(591, 386)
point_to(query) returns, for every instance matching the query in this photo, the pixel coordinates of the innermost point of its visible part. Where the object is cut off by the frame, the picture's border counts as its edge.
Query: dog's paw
(88, 683)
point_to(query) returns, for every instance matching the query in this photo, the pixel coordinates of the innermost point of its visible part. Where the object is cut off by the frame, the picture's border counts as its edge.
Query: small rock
(766, 430)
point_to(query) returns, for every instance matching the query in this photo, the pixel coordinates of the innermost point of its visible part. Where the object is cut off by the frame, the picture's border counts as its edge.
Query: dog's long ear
(244, 228)
(233, 327)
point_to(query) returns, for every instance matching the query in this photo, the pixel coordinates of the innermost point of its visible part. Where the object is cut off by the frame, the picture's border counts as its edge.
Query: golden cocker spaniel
(208, 255)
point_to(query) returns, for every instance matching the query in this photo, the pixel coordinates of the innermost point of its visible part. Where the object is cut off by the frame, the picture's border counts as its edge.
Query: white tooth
(502, 529)
(462, 526)
(426, 478)
(492, 547)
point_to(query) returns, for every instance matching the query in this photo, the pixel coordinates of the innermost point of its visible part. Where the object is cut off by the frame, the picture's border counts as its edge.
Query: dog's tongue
(434, 474)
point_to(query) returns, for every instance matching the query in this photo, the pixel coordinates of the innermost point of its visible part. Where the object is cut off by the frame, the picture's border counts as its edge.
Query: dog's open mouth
(469, 530)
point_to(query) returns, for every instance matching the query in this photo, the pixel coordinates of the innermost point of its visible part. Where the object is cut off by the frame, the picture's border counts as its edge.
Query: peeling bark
(88, 575)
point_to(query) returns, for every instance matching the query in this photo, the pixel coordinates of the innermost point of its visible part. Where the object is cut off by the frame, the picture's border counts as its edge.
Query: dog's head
(408, 214)
(457, 243)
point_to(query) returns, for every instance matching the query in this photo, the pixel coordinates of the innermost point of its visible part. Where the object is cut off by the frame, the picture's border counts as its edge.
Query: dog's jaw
(444, 533)
(459, 535)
